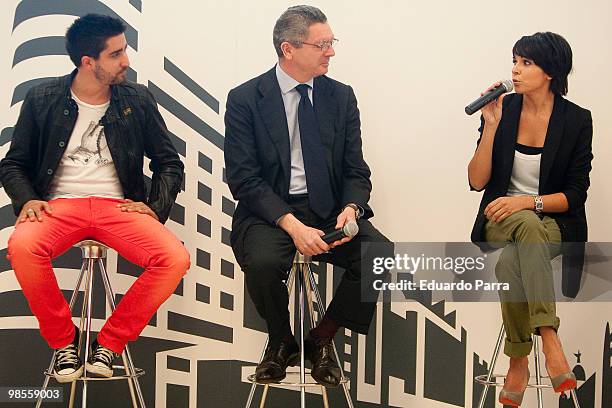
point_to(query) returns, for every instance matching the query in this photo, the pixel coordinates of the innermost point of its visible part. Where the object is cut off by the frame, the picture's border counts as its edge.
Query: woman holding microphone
(533, 161)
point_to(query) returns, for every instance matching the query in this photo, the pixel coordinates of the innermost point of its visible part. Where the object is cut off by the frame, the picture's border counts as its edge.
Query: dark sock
(326, 329)
(289, 338)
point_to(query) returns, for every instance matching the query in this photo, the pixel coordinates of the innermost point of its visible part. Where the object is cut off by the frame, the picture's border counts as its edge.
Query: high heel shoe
(564, 382)
(513, 398)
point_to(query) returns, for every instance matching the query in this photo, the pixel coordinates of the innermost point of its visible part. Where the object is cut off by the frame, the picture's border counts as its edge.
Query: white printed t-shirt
(87, 168)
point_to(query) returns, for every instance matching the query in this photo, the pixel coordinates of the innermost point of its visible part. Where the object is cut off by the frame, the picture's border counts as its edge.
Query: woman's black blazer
(565, 167)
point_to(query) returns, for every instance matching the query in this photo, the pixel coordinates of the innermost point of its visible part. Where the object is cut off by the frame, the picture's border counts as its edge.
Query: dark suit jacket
(257, 156)
(565, 167)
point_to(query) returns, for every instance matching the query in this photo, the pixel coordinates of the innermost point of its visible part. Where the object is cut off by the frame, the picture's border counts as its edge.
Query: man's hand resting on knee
(133, 206)
(33, 210)
(307, 240)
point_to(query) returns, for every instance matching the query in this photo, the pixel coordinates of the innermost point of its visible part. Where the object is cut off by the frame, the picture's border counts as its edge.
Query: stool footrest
(139, 372)
(289, 383)
(482, 379)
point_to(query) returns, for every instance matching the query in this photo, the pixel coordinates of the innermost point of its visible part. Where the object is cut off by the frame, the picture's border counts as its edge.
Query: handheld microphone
(350, 229)
(506, 86)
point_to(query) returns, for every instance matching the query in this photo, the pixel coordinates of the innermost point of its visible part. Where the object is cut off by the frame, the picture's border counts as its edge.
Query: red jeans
(137, 237)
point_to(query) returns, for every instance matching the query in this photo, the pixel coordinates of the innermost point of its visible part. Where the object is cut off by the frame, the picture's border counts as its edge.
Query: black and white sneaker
(100, 361)
(67, 366)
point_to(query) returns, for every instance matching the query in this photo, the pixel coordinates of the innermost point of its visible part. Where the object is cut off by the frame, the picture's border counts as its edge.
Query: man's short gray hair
(292, 26)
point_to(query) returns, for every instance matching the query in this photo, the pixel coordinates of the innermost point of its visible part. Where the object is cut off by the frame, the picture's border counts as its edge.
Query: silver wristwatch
(538, 204)
(355, 207)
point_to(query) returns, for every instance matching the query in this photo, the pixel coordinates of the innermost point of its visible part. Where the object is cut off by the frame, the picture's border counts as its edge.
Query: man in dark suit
(294, 163)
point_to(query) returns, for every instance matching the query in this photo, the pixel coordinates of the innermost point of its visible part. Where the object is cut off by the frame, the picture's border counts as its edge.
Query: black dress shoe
(273, 367)
(325, 370)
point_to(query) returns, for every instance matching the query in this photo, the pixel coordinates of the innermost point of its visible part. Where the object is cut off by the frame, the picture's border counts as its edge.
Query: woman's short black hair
(88, 34)
(552, 53)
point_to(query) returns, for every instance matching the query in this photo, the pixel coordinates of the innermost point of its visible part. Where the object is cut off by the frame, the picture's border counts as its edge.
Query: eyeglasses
(324, 45)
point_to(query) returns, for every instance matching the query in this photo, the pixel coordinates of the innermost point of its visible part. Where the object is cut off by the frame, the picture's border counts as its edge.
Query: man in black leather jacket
(74, 171)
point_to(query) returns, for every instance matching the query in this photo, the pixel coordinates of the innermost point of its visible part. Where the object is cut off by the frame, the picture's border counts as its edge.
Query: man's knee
(175, 259)
(369, 233)
(182, 260)
(265, 268)
(24, 246)
(373, 255)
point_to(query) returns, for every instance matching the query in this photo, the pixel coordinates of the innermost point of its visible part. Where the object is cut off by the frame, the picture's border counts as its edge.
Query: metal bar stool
(306, 286)
(94, 252)
(490, 379)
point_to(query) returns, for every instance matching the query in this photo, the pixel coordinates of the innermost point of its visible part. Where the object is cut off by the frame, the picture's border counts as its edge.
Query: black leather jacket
(133, 128)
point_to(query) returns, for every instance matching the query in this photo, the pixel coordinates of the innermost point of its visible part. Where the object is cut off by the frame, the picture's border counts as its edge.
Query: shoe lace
(67, 355)
(104, 355)
(329, 350)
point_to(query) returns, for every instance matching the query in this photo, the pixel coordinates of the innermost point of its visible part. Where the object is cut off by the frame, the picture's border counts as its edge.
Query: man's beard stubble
(106, 78)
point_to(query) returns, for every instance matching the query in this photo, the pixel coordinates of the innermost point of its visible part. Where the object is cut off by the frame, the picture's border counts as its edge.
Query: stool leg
(254, 385)
(493, 361)
(575, 398)
(128, 366)
(310, 300)
(313, 321)
(324, 395)
(81, 327)
(301, 310)
(291, 279)
(87, 300)
(72, 394)
(262, 403)
(88, 274)
(75, 292)
(538, 373)
(110, 297)
(126, 356)
(289, 284)
(321, 307)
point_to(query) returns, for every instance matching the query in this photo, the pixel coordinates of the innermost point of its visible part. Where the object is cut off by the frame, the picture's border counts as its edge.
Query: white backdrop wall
(414, 66)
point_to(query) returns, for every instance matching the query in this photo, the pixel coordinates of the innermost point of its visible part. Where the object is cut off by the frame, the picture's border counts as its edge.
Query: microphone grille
(508, 85)
(350, 229)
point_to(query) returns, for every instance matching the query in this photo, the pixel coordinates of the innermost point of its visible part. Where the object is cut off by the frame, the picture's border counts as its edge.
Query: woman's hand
(503, 207)
(492, 112)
